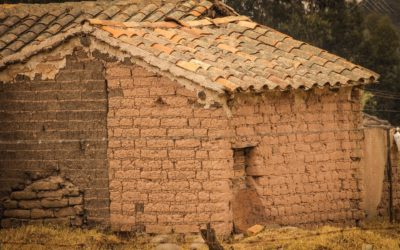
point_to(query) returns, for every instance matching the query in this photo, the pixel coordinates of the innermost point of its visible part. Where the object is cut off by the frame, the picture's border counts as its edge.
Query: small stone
(77, 221)
(198, 239)
(168, 246)
(198, 246)
(162, 238)
(256, 229)
(238, 237)
(367, 247)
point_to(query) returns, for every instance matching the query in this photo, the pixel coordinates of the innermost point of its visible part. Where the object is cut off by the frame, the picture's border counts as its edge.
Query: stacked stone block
(51, 200)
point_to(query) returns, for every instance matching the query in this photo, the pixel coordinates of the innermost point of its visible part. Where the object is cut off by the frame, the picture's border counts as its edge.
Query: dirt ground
(375, 235)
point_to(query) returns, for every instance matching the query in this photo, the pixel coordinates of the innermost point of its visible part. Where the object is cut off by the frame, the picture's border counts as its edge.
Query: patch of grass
(53, 237)
(379, 234)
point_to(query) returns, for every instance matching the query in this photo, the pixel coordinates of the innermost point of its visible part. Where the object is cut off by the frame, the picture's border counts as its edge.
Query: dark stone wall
(58, 128)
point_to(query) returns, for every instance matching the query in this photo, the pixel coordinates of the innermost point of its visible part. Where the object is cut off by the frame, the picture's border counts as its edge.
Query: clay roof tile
(228, 53)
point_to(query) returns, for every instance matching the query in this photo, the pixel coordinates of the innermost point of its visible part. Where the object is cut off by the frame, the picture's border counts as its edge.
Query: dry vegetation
(379, 235)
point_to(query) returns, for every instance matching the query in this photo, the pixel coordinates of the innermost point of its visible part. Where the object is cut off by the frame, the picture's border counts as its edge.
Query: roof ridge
(169, 22)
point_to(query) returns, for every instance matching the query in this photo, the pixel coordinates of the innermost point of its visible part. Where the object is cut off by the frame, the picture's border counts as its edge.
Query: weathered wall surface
(383, 208)
(374, 166)
(171, 161)
(58, 127)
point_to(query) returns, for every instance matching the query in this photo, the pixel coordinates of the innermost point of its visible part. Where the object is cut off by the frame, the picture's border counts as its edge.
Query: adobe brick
(214, 123)
(160, 143)
(136, 92)
(181, 175)
(201, 154)
(185, 197)
(154, 132)
(173, 185)
(220, 154)
(245, 131)
(162, 91)
(181, 153)
(221, 186)
(139, 72)
(216, 164)
(118, 72)
(143, 101)
(184, 208)
(152, 175)
(174, 122)
(164, 196)
(127, 112)
(147, 81)
(153, 154)
(187, 165)
(187, 143)
(186, 92)
(200, 132)
(147, 122)
(175, 101)
(180, 132)
(122, 153)
(221, 133)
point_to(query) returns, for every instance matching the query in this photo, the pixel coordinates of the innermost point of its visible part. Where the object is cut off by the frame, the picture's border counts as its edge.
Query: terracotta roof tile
(162, 48)
(248, 24)
(225, 54)
(188, 65)
(37, 22)
(227, 48)
(227, 84)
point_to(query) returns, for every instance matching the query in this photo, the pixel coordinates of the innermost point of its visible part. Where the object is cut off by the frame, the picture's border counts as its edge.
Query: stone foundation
(51, 200)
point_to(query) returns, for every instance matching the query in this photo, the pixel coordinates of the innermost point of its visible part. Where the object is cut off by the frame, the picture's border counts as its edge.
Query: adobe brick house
(163, 118)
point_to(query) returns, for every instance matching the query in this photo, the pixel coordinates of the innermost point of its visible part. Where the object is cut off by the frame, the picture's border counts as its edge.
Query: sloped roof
(225, 54)
(24, 24)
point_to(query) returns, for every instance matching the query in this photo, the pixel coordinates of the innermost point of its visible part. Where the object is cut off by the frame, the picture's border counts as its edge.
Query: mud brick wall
(50, 200)
(306, 165)
(58, 127)
(171, 160)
